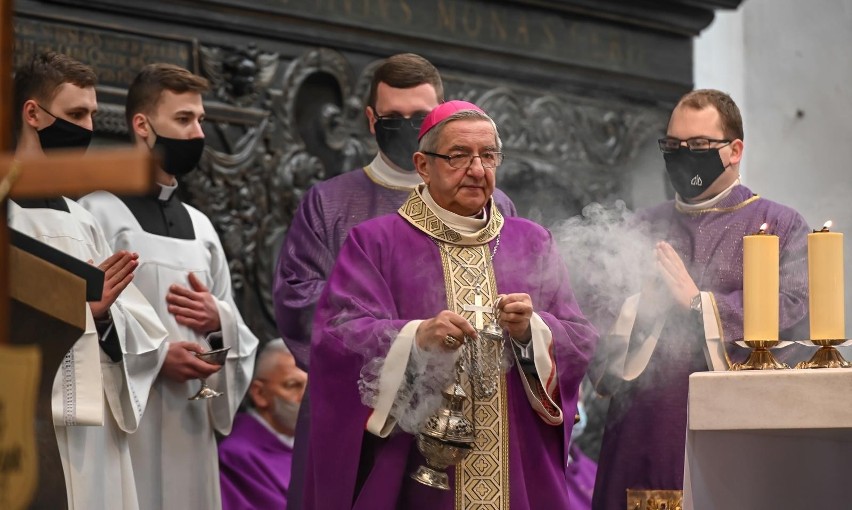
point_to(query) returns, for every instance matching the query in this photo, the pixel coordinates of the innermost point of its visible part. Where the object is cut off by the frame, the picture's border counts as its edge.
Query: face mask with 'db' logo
(691, 173)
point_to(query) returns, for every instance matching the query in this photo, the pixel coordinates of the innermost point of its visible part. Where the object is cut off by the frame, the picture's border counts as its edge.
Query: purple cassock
(325, 215)
(645, 434)
(254, 467)
(387, 274)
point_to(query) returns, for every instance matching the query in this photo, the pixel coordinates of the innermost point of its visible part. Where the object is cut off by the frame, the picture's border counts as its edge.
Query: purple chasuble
(645, 433)
(325, 215)
(254, 467)
(387, 274)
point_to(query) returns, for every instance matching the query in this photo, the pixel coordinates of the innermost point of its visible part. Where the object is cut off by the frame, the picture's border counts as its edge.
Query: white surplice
(96, 402)
(175, 459)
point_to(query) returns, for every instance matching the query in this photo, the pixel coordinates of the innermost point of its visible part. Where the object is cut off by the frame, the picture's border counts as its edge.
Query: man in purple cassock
(255, 459)
(404, 89)
(686, 320)
(410, 291)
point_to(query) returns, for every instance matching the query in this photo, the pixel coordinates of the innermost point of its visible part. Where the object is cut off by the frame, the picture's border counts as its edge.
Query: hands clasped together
(449, 330)
(673, 272)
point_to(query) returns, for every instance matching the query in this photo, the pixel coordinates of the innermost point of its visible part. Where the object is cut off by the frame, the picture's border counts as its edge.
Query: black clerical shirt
(162, 213)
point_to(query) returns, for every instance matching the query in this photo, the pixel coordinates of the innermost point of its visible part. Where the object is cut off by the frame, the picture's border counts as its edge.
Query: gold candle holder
(760, 358)
(826, 356)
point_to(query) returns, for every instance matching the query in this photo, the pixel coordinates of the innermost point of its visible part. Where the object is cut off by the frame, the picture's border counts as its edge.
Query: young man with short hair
(185, 276)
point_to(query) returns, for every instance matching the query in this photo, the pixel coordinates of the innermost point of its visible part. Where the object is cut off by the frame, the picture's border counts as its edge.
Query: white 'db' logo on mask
(696, 181)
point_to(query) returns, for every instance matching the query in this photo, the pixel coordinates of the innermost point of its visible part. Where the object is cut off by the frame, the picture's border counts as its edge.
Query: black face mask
(179, 156)
(397, 139)
(63, 135)
(691, 173)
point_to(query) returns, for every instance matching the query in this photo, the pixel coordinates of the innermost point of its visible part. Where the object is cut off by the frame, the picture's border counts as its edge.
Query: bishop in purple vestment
(401, 289)
(700, 261)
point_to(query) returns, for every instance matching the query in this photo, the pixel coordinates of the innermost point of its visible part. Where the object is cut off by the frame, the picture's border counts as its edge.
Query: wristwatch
(695, 304)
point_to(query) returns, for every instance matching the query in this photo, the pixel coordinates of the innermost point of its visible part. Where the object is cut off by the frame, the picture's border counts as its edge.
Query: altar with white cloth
(773, 439)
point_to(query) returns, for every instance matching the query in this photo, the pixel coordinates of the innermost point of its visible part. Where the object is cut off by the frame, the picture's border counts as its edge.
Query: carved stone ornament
(294, 124)
(561, 152)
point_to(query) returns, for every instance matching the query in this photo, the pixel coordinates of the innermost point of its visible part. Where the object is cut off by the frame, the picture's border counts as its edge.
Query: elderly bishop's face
(465, 190)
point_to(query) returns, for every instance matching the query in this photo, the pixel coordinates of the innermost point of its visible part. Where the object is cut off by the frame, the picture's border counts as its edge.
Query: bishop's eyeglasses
(489, 159)
(669, 144)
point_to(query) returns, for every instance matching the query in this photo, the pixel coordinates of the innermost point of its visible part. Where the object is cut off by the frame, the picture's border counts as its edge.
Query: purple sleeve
(548, 284)
(574, 337)
(793, 301)
(355, 321)
(303, 266)
(358, 310)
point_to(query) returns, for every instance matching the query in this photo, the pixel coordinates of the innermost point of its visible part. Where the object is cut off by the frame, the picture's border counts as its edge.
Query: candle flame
(827, 225)
(764, 227)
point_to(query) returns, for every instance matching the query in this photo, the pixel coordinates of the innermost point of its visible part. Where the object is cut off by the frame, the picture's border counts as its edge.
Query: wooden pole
(7, 52)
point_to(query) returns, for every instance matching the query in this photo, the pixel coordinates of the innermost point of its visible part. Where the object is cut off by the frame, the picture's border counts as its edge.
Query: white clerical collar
(706, 204)
(463, 224)
(166, 191)
(284, 438)
(382, 174)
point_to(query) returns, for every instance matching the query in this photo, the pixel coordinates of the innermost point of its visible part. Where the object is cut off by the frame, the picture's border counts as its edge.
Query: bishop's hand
(447, 331)
(181, 364)
(118, 273)
(515, 313)
(194, 307)
(674, 274)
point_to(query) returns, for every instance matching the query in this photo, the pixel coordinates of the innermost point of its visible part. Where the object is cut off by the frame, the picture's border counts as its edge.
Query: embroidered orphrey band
(482, 479)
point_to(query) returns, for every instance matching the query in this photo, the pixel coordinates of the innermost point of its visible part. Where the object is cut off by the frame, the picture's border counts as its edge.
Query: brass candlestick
(760, 357)
(827, 356)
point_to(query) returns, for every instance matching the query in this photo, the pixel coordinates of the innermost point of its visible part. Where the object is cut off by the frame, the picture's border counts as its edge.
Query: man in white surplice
(122, 349)
(184, 274)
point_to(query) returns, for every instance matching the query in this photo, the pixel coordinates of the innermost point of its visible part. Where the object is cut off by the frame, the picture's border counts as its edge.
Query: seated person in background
(254, 461)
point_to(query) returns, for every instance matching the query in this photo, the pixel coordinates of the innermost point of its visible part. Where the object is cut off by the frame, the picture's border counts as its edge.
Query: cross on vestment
(478, 309)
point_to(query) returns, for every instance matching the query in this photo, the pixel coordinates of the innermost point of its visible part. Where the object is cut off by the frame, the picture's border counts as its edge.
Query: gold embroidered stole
(482, 479)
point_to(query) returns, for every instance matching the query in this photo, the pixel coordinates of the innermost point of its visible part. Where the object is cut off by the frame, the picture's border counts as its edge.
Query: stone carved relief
(561, 152)
(267, 144)
(279, 126)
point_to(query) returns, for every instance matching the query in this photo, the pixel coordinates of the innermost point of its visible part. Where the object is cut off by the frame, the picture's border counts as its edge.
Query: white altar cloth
(774, 440)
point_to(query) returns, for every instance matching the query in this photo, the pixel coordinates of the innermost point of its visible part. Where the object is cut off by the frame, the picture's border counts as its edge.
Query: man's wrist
(104, 319)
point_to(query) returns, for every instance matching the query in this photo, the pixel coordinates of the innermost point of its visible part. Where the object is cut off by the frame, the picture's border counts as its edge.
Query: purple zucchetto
(442, 111)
